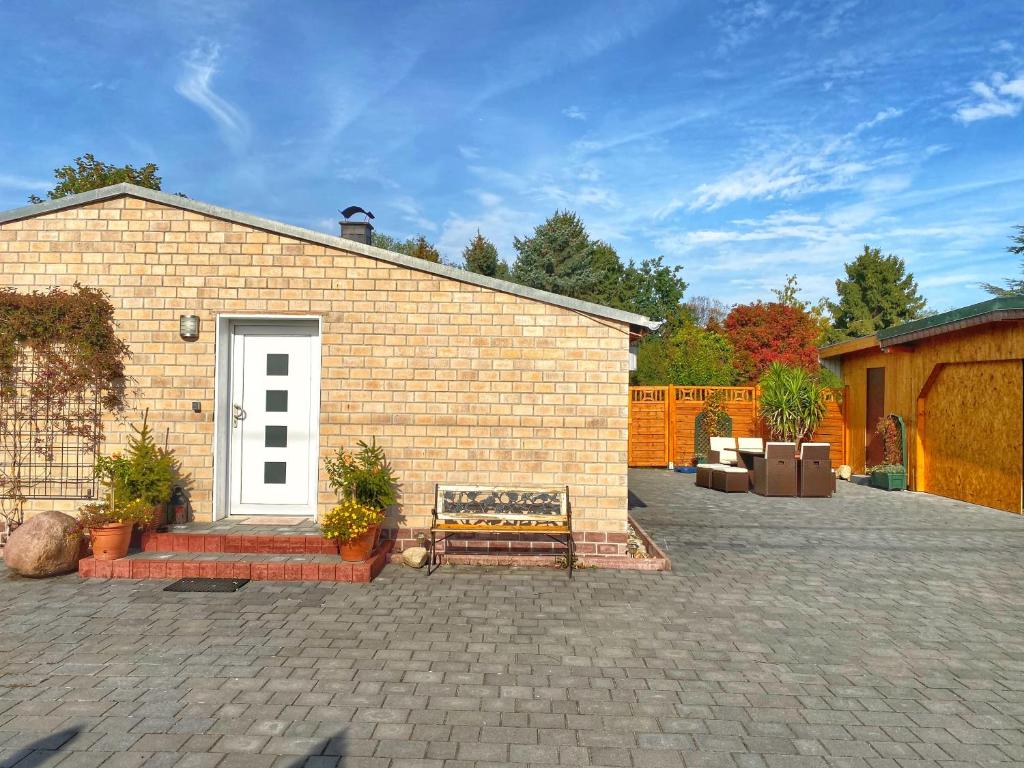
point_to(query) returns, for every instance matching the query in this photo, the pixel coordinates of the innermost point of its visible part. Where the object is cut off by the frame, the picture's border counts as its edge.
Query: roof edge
(849, 346)
(990, 310)
(331, 241)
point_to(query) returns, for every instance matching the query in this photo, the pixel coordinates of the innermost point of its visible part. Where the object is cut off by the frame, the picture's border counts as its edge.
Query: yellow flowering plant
(348, 520)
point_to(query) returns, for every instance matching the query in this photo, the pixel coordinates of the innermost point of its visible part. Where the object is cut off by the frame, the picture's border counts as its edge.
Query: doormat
(206, 585)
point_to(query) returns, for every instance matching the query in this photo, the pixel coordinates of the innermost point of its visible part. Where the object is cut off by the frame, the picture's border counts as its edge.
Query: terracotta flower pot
(361, 547)
(110, 542)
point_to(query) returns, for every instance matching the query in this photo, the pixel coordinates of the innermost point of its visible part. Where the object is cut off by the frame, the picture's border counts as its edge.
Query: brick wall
(459, 383)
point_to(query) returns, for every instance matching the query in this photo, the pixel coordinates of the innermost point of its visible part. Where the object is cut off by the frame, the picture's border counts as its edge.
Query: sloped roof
(992, 311)
(637, 322)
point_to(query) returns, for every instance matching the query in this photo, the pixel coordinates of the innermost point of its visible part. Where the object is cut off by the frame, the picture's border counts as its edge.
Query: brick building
(308, 342)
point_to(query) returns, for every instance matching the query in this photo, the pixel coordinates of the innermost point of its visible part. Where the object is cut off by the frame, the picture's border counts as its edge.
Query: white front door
(275, 391)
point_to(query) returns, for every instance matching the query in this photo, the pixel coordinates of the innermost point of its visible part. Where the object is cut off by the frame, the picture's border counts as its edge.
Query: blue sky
(743, 140)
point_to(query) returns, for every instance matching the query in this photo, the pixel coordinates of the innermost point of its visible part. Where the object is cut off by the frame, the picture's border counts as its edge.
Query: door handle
(237, 415)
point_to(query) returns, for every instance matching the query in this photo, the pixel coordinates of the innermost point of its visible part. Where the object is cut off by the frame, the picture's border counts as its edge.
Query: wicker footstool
(704, 471)
(730, 479)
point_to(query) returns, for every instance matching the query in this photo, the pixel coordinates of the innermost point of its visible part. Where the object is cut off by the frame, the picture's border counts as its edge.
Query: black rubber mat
(206, 585)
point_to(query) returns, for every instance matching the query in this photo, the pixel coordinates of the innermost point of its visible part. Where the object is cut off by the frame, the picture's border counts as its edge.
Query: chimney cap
(352, 210)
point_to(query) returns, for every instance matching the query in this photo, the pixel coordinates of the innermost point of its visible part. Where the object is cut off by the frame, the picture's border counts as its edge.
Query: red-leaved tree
(768, 332)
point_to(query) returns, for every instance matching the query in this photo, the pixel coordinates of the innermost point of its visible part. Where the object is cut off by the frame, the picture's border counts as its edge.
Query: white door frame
(225, 325)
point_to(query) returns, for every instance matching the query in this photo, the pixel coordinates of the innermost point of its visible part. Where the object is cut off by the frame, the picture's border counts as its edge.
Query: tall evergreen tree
(1011, 286)
(561, 257)
(481, 257)
(878, 293)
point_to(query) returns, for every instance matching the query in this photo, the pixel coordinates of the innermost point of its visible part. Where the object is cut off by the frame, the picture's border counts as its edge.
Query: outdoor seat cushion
(750, 444)
(817, 451)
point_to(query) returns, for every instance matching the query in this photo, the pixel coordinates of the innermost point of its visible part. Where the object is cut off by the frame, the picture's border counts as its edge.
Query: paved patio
(871, 629)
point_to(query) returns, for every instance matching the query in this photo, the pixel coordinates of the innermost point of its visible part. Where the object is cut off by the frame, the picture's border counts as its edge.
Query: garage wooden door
(973, 434)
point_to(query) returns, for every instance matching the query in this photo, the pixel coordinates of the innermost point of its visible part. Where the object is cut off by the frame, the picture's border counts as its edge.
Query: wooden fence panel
(833, 427)
(662, 422)
(687, 402)
(648, 426)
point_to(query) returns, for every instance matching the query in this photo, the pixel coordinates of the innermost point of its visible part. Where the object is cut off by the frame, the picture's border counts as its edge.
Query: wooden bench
(483, 509)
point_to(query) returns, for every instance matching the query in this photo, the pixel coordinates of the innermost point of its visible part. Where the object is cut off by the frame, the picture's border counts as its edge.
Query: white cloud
(470, 153)
(572, 40)
(11, 181)
(741, 23)
(412, 213)
(1000, 97)
(838, 163)
(574, 113)
(500, 224)
(488, 199)
(195, 84)
(881, 117)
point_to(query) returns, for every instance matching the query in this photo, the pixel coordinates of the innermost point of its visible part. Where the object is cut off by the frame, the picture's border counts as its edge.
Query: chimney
(360, 231)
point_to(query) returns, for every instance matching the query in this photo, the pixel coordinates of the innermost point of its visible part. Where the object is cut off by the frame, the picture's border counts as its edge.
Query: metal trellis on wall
(54, 457)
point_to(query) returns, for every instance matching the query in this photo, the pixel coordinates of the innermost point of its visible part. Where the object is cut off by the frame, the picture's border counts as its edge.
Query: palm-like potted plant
(366, 486)
(791, 403)
(891, 474)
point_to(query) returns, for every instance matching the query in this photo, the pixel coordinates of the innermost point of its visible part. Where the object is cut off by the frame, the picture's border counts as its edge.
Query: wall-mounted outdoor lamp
(188, 327)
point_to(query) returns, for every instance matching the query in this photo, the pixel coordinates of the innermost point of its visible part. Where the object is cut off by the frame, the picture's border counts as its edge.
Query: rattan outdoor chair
(775, 473)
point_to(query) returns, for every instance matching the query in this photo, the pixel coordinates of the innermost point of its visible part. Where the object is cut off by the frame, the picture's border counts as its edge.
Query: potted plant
(366, 486)
(111, 521)
(891, 474)
(150, 473)
(792, 403)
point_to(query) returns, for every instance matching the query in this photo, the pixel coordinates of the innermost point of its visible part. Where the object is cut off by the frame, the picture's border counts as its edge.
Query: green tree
(87, 173)
(703, 359)
(1011, 286)
(688, 356)
(561, 257)
(418, 246)
(878, 293)
(481, 257)
(651, 289)
(789, 295)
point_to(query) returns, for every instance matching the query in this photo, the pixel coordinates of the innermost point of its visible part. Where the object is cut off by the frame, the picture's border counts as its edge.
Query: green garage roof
(993, 310)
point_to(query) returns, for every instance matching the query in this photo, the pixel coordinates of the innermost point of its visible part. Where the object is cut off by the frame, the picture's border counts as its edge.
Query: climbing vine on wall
(61, 367)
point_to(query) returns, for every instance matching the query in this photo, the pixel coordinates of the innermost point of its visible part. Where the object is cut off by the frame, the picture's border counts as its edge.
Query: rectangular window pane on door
(275, 437)
(277, 400)
(277, 365)
(275, 472)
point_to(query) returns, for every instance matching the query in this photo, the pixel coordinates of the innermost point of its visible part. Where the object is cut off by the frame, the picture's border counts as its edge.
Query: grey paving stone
(870, 630)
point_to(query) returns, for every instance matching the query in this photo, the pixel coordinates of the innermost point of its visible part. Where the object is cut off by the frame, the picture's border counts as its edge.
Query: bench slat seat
(540, 510)
(501, 528)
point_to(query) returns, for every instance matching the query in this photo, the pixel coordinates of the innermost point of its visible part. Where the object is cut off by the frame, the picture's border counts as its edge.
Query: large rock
(44, 545)
(415, 557)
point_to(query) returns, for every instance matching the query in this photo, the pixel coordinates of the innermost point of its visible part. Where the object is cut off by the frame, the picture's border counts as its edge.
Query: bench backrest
(475, 502)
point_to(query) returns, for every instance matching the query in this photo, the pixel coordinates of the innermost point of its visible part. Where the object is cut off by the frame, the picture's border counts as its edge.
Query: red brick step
(237, 565)
(270, 544)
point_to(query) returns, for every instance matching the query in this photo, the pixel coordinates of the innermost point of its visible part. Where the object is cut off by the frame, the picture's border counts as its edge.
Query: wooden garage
(957, 380)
